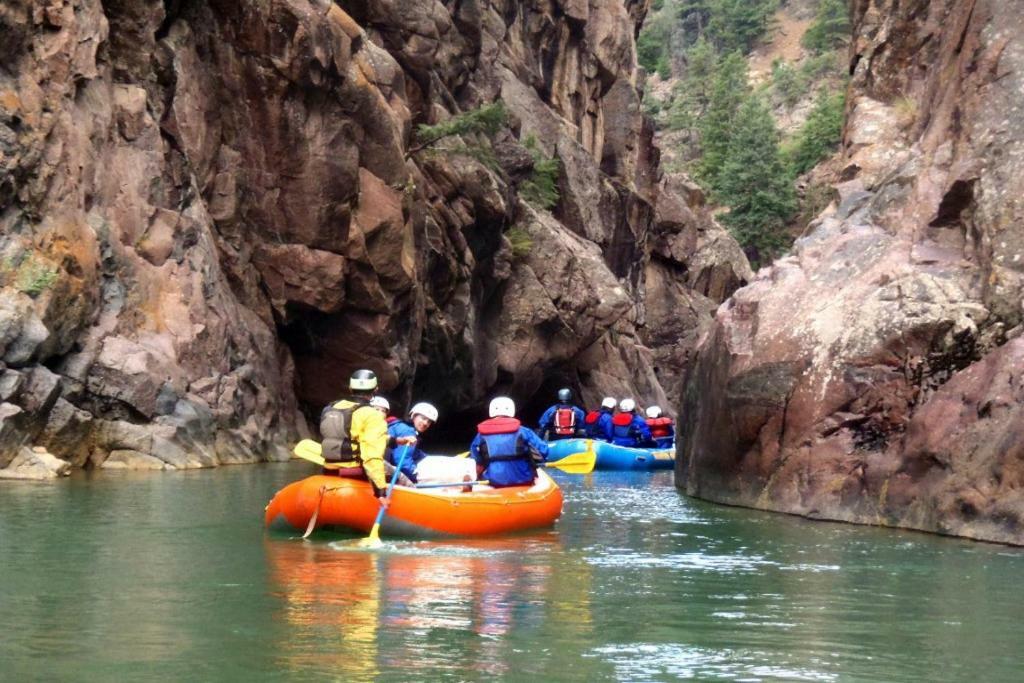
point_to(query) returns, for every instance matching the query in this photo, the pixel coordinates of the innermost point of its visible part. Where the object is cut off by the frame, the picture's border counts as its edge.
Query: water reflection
(173, 578)
(330, 604)
(458, 606)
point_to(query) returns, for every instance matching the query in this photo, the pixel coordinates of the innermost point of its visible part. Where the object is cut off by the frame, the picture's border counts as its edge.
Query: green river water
(171, 577)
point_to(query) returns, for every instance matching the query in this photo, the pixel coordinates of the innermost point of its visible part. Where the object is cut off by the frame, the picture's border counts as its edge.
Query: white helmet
(627, 405)
(381, 403)
(426, 410)
(608, 402)
(502, 406)
(653, 412)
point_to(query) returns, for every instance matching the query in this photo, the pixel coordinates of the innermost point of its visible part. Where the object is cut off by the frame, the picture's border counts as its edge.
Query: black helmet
(362, 380)
(564, 395)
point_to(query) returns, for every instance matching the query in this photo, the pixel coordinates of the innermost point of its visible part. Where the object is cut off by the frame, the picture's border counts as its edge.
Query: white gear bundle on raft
(440, 469)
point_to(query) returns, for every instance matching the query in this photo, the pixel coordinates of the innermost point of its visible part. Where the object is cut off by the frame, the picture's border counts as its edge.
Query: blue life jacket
(630, 430)
(599, 424)
(397, 429)
(503, 448)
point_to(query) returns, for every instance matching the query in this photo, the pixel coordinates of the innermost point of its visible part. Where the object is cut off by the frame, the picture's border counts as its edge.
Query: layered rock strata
(876, 374)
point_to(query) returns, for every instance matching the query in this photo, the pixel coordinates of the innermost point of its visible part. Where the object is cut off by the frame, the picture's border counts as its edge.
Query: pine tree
(692, 95)
(654, 44)
(737, 24)
(755, 185)
(819, 135)
(830, 28)
(694, 17)
(788, 84)
(485, 120)
(729, 91)
(701, 64)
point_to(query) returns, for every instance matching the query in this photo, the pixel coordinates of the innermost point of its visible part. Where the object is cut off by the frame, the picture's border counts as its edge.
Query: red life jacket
(622, 419)
(592, 416)
(660, 426)
(565, 421)
(622, 426)
(499, 425)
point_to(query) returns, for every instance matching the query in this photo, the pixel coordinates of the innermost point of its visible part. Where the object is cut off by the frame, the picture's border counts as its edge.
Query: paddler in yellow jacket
(355, 435)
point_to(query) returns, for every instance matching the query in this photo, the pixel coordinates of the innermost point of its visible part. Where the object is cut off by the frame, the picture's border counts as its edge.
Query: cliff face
(876, 374)
(212, 212)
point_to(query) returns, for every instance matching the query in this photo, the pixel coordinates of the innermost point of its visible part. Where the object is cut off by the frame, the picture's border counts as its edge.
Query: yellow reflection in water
(331, 606)
(444, 605)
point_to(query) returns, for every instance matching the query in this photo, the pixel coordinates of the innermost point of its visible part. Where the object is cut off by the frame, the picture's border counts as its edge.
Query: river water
(171, 577)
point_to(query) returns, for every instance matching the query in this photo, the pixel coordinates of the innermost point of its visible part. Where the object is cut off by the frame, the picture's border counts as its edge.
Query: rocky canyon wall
(211, 212)
(876, 374)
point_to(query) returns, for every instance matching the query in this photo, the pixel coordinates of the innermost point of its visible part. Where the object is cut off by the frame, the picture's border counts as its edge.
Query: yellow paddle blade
(310, 450)
(577, 463)
(373, 540)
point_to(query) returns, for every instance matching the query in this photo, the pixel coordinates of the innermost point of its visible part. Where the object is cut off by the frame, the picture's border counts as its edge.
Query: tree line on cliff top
(736, 151)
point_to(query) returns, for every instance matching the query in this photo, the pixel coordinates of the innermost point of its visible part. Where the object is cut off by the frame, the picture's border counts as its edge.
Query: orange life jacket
(660, 426)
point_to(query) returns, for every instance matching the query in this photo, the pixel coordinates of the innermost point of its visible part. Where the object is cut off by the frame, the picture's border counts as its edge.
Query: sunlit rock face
(212, 212)
(876, 374)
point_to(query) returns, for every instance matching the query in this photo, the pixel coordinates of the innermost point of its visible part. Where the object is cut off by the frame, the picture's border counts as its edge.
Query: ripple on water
(421, 549)
(690, 561)
(655, 661)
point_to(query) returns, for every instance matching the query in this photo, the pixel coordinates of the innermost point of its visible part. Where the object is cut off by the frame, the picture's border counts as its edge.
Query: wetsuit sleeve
(642, 428)
(474, 449)
(545, 419)
(534, 441)
(396, 430)
(408, 467)
(371, 430)
(389, 451)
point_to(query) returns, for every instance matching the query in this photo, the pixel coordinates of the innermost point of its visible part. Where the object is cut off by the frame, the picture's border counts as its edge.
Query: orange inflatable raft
(349, 504)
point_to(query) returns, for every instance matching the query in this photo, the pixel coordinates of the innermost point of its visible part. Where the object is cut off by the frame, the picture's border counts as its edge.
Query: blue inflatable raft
(608, 456)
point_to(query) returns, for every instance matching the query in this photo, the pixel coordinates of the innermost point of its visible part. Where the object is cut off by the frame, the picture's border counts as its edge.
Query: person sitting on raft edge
(422, 417)
(562, 420)
(662, 430)
(355, 434)
(598, 423)
(506, 453)
(628, 428)
(384, 406)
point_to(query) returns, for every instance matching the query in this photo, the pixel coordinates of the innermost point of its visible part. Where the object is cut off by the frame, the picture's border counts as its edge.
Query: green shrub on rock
(541, 188)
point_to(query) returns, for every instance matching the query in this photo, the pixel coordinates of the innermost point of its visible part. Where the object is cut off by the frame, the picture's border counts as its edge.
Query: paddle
(373, 540)
(310, 450)
(577, 463)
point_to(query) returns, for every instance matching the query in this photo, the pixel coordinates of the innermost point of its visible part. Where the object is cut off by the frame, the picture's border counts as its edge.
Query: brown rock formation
(211, 212)
(875, 375)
